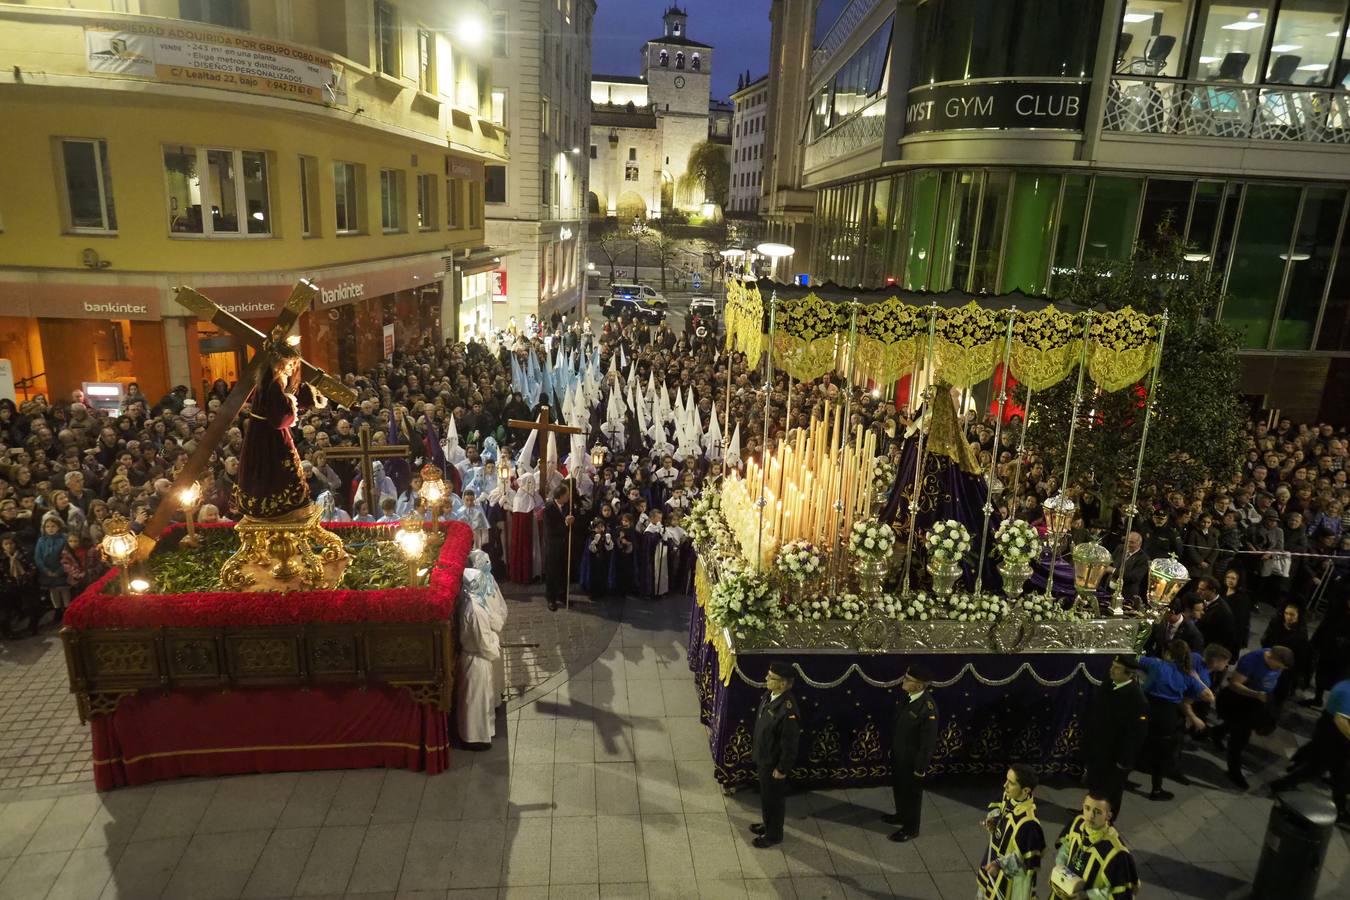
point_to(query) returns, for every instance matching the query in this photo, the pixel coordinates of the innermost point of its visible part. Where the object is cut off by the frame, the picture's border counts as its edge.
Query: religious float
(283, 642)
(851, 568)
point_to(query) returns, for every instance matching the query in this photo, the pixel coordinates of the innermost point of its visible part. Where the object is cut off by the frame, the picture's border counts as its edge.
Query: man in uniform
(1117, 723)
(915, 735)
(1093, 862)
(1328, 751)
(778, 728)
(1016, 840)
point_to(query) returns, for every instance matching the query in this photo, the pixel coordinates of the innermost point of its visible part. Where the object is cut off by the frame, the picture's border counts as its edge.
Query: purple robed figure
(270, 482)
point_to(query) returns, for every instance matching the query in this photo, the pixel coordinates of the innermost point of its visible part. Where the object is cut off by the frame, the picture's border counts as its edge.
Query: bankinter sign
(1058, 105)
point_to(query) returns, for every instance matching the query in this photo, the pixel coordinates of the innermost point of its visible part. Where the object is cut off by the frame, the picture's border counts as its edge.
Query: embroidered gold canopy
(811, 336)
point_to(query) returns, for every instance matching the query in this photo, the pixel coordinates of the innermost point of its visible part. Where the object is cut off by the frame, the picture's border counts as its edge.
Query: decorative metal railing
(1166, 106)
(860, 131)
(839, 32)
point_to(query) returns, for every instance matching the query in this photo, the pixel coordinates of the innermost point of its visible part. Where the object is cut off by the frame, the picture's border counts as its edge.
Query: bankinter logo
(341, 293)
(115, 308)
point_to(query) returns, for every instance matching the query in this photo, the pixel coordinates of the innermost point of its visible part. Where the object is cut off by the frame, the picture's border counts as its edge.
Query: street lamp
(187, 498)
(774, 252)
(638, 229)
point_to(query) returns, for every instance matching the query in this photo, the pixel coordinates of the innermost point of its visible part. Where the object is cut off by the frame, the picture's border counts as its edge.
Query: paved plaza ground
(602, 786)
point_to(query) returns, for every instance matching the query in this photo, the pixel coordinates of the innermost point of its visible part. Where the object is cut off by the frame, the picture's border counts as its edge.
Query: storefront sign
(56, 300)
(564, 233)
(497, 279)
(206, 57)
(1059, 105)
(345, 287)
(469, 169)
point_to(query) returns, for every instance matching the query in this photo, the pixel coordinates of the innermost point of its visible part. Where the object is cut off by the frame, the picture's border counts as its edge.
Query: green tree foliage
(1196, 432)
(708, 173)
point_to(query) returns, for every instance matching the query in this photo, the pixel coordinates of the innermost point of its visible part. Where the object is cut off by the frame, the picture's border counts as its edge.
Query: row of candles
(813, 485)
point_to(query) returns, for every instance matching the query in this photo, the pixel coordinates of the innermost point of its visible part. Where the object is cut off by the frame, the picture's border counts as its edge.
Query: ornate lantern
(1166, 578)
(118, 544)
(432, 491)
(1090, 562)
(411, 540)
(187, 498)
(1059, 512)
(598, 456)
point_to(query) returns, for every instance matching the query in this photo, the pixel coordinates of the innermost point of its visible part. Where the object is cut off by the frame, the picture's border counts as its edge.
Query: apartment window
(498, 114)
(309, 195)
(499, 44)
(217, 193)
(592, 151)
(454, 203)
(495, 186)
(426, 202)
(391, 200)
(544, 184)
(545, 114)
(386, 39)
(557, 194)
(229, 13)
(426, 61)
(475, 205)
(347, 179)
(89, 194)
(632, 154)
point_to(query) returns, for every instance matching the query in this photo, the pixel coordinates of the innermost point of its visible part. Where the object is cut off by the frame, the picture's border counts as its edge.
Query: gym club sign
(1060, 105)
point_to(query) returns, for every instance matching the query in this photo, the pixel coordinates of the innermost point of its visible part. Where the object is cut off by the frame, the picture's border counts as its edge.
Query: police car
(638, 300)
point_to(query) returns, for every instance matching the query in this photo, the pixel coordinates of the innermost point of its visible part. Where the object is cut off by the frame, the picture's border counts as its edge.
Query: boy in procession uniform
(1016, 840)
(1092, 861)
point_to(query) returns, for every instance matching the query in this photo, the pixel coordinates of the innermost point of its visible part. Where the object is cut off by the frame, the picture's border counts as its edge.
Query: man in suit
(1134, 573)
(914, 736)
(777, 731)
(1217, 624)
(1114, 732)
(557, 534)
(1174, 625)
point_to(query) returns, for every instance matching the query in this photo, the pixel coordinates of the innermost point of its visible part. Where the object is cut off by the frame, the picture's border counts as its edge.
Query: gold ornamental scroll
(890, 339)
(967, 344)
(1046, 346)
(806, 335)
(745, 320)
(1120, 347)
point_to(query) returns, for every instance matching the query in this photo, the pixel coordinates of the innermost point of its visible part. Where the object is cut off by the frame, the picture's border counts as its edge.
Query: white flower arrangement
(883, 475)
(743, 602)
(920, 608)
(1016, 541)
(706, 524)
(798, 562)
(948, 541)
(977, 608)
(871, 540)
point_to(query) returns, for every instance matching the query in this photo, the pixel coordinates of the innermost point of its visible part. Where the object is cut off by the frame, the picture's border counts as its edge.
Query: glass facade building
(997, 145)
(995, 230)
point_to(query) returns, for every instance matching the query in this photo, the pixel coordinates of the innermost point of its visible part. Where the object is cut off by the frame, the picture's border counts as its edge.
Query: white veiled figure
(498, 612)
(480, 654)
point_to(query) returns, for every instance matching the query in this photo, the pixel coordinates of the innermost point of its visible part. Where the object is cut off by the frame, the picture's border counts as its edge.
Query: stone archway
(595, 207)
(631, 204)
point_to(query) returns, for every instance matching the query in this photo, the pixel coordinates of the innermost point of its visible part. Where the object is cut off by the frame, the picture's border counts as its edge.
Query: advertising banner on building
(497, 280)
(389, 341)
(207, 57)
(7, 381)
(1059, 105)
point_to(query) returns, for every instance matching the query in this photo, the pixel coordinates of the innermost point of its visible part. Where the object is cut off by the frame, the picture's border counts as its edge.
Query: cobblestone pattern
(41, 739)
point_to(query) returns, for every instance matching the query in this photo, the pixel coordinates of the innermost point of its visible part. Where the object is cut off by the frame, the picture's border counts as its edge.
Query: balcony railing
(860, 131)
(1168, 106)
(839, 32)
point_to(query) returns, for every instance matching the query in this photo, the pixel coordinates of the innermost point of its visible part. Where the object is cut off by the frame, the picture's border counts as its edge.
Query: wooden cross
(367, 453)
(302, 295)
(542, 426)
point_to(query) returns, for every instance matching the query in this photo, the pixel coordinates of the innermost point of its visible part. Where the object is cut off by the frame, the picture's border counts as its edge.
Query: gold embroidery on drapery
(1120, 348)
(745, 320)
(890, 335)
(808, 335)
(1046, 346)
(967, 344)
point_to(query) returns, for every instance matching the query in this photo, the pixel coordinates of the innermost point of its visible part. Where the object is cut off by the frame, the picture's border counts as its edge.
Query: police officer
(915, 733)
(1117, 724)
(777, 730)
